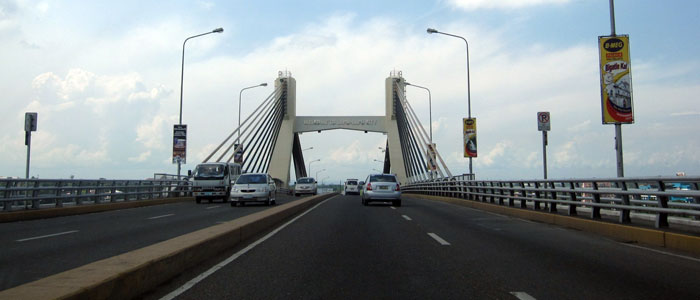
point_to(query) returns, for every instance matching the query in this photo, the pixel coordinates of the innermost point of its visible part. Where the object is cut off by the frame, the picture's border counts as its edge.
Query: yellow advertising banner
(431, 164)
(469, 137)
(615, 80)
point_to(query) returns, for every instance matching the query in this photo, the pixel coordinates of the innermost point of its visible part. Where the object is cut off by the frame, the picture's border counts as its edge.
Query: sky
(104, 78)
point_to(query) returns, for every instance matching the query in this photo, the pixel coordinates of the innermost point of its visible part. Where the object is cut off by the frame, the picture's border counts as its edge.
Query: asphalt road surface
(35, 249)
(433, 250)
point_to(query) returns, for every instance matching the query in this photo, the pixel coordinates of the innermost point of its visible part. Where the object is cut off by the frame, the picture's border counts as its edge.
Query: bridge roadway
(342, 249)
(35, 249)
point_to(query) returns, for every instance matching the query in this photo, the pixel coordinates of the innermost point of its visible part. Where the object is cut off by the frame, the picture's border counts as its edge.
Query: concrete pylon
(392, 129)
(282, 154)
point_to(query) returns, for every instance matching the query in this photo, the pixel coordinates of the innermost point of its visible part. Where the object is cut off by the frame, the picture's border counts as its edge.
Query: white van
(351, 187)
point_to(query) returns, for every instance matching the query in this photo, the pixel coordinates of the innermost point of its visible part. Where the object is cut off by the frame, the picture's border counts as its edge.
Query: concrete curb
(626, 233)
(133, 273)
(25, 215)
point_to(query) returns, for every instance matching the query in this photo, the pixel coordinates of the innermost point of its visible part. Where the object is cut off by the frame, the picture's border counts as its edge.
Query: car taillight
(398, 188)
(369, 186)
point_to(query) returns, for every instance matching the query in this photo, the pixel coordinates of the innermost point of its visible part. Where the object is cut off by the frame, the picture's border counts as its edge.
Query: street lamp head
(218, 30)
(430, 30)
(263, 84)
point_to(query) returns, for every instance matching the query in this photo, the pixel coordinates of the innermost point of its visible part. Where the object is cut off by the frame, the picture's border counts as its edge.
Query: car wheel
(241, 203)
(296, 195)
(197, 200)
(233, 204)
(397, 203)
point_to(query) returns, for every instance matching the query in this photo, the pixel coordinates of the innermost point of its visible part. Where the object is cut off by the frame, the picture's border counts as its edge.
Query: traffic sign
(543, 121)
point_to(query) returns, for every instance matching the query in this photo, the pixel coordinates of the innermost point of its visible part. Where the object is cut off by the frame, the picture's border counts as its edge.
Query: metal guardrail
(659, 196)
(19, 194)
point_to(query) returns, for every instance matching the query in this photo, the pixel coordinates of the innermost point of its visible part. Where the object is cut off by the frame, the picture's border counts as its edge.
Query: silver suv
(381, 187)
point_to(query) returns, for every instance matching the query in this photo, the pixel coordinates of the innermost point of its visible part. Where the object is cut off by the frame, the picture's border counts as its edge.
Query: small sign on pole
(543, 121)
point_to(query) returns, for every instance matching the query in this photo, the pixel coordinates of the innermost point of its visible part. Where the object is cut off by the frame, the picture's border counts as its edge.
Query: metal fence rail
(658, 196)
(18, 194)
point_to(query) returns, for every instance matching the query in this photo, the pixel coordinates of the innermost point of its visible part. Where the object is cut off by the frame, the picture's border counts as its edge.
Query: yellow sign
(469, 137)
(615, 80)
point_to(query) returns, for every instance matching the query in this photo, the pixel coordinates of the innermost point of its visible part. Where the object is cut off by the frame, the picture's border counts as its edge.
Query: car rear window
(382, 178)
(306, 180)
(251, 179)
(352, 182)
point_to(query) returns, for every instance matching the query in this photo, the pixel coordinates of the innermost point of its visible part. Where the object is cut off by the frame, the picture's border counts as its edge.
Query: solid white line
(406, 217)
(522, 296)
(222, 264)
(48, 235)
(210, 207)
(158, 217)
(663, 252)
(438, 239)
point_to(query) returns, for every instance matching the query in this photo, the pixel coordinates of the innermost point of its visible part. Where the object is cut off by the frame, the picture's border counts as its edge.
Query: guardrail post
(78, 193)
(572, 198)
(523, 193)
(537, 195)
(35, 194)
(7, 204)
(595, 210)
(511, 200)
(625, 213)
(113, 191)
(501, 193)
(553, 205)
(98, 191)
(662, 217)
(138, 190)
(59, 197)
(696, 200)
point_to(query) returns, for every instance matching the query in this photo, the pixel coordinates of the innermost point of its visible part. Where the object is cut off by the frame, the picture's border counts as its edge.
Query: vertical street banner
(615, 80)
(430, 153)
(238, 156)
(469, 125)
(179, 143)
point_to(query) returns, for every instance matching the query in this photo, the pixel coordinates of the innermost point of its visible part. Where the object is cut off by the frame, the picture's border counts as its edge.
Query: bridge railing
(17, 194)
(658, 197)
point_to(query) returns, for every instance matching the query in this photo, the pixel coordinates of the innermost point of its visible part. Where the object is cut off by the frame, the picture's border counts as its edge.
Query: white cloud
(500, 4)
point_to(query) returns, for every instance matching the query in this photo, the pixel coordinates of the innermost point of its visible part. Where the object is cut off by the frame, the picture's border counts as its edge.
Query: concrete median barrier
(134, 273)
(624, 233)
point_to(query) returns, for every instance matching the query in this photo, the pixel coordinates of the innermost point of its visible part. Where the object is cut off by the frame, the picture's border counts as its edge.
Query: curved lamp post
(313, 161)
(238, 140)
(469, 104)
(182, 76)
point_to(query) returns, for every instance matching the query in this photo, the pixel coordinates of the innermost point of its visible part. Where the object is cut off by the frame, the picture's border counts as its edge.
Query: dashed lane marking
(438, 239)
(522, 296)
(212, 207)
(162, 216)
(48, 235)
(406, 217)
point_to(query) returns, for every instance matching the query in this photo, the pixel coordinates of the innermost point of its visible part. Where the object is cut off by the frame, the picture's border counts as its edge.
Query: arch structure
(270, 135)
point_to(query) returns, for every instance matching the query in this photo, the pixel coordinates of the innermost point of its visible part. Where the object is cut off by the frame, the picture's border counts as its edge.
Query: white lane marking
(225, 262)
(438, 239)
(210, 207)
(522, 296)
(48, 235)
(158, 217)
(406, 217)
(393, 207)
(663, 252)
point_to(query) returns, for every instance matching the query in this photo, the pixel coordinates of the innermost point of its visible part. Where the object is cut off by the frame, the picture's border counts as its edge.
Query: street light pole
(319, 172)
(182, 76)
(430, 107)
(238, 139)
(469, 104)
(313, 161)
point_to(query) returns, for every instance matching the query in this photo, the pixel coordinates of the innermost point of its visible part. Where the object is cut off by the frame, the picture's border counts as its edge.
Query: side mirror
(361, 183)
(295, 183)
(315, 181)
(189, 173)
